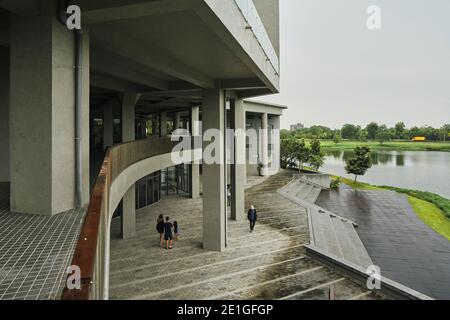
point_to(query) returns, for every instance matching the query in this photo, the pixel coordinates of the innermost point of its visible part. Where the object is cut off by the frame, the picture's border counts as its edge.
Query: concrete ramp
(328, 231)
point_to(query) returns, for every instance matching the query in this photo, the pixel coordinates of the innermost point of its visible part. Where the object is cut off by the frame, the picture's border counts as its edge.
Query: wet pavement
(267, 264)
(404, 247)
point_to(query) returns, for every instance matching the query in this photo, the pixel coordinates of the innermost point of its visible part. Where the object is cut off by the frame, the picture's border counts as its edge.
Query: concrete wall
(4, 114)
(269, 12)
(42, 114)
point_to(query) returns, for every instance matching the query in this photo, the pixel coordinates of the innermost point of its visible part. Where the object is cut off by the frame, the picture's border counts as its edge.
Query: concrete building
(108, 97)
(298, 126)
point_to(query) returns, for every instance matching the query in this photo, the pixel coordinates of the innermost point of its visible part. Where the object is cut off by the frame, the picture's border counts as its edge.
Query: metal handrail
(88, 255)
(251, 16)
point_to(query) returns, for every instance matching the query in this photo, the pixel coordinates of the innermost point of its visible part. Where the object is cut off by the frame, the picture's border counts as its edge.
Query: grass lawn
(358, 185)
(388, 146)
(432, 216)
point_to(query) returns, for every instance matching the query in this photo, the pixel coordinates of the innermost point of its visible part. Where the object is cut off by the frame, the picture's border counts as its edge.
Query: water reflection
(378, 158)
(427, 171)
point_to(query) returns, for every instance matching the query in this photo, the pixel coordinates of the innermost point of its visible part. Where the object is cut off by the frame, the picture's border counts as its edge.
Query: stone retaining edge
(358, 274)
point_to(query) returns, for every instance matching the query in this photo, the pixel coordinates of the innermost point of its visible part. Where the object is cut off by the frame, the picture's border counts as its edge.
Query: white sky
(335, 71)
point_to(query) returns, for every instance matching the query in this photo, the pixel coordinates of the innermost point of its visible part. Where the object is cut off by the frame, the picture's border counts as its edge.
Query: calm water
(427, 171)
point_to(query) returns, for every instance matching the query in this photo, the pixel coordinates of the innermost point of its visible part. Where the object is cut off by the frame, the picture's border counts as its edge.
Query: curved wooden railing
(89, 252)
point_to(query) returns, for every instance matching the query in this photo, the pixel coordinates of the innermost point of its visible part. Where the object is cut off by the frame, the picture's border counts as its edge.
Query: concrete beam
(214, 205)
(101, 11)
(242, 84)
(118, 67)
(115, 39)
(115, 84)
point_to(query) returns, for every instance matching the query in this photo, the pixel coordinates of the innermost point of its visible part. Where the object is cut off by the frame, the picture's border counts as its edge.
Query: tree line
(373, 131)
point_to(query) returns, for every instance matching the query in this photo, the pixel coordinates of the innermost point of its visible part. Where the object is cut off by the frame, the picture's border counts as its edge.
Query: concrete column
(4, 115)
(177, 123)
(129, 213)
(195, 167)
(163, 124)
(214, 206)
(129, 134)
(264, 151)
(239, 165)
(155, 133)
(276, 144)
(42, 123)
(108, 126)
(128, 116)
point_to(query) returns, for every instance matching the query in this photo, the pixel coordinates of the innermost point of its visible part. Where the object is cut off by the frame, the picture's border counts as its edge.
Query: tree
(337, 137)
(383, 134)
(301, 153)
(399, 130)
(349, 131)
(372, 130)
(287, 149)
(316, 156)
(362, 136)
(360, 163)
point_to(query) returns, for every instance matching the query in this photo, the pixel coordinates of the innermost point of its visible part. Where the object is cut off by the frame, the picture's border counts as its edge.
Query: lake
(420, 170)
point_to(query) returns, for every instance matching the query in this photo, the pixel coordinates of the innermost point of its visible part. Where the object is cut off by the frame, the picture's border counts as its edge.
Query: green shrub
(335, 183)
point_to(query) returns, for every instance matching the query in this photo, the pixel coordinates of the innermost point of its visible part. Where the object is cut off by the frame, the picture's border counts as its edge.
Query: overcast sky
(336, 71)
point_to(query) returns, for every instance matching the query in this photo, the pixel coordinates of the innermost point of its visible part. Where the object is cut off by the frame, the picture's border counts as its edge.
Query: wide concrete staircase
(328, 231)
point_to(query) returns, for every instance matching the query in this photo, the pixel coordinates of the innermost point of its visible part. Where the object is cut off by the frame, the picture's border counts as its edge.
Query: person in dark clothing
(168, 235)
(175, 230)
(160, 229)
(252, 217)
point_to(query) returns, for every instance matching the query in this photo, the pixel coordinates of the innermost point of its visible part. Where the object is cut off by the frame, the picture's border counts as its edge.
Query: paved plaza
(267, 264)
(35, 251)
(404, 247)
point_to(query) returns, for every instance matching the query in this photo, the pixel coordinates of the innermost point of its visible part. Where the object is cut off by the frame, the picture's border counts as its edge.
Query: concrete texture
(4, 115)
(214, 203)
(108, 126)
(42, 146)
(129, 213)
(267, 10)
(195, 167)
(406, 249)
(239, 167)
(129, 100)
(328, 232)
(264, 145)
(267, 264)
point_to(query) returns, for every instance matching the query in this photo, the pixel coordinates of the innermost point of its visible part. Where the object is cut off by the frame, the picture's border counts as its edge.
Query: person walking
(229, 195)
(175, 230)
(252, 217)
(168, 235)
(160, 229)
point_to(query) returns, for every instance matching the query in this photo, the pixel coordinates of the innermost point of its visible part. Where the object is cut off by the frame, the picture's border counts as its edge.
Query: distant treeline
(373, 131)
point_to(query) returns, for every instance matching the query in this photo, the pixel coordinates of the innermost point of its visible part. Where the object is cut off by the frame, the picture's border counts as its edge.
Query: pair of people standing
(164, 229)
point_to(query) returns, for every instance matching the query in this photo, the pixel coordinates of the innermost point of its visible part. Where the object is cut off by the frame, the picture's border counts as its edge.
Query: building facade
(86, 115)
